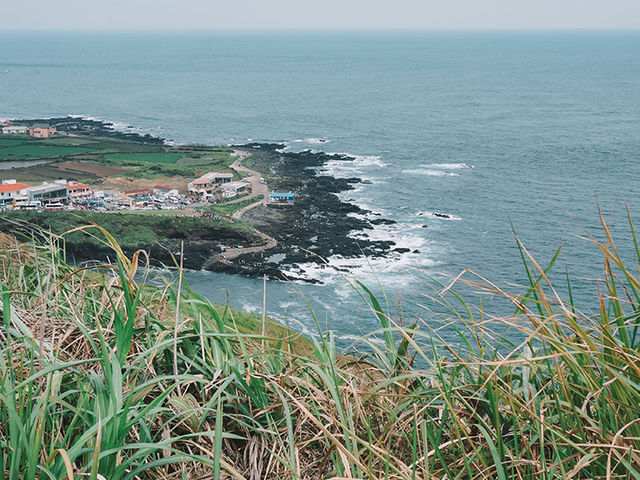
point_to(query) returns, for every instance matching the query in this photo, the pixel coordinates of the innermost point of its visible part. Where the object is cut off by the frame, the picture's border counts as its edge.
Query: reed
(104, 377)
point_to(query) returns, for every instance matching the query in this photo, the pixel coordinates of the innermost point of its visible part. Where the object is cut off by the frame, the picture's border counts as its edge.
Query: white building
(232, 189)
(14, 129)
(162, 191)
(48, 192)
(207, 183)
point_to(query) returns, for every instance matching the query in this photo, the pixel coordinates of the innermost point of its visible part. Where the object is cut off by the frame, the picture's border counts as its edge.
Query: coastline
(261, 239)
(320, 222)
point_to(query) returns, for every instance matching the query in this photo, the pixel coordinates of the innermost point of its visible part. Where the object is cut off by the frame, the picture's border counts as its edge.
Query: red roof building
(10, 190)
(133, 193)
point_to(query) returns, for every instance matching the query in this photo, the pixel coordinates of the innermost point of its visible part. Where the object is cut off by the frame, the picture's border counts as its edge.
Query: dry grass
(103, 378)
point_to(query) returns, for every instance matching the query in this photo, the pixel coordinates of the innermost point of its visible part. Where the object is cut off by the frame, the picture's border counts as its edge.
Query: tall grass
(102, 377)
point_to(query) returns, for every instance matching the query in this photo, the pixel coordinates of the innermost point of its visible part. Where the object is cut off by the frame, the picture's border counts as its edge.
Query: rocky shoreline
(86, 126)
(316, 227)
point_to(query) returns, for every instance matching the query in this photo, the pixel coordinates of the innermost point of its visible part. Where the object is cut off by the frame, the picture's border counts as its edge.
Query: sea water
(494, 130)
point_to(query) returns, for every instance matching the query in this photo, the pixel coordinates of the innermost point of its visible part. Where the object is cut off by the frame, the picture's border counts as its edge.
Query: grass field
(167, 158)
(153, 213)
(144, 161)
(145, 230)
(37, 151)
(10, 142)
(69, 140)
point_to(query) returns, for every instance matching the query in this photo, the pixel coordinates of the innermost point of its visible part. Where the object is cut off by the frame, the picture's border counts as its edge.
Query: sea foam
(448, 166)
(429, 172)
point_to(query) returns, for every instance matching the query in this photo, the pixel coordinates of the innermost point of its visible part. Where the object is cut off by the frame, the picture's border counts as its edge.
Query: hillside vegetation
(159, 233)
(101, 377)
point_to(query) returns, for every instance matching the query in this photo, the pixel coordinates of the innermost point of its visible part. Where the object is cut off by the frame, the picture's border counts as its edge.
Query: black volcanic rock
(318, 224)
(87, 126)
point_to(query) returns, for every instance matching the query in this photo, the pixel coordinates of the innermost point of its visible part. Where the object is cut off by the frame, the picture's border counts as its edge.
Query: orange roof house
(42, 132)
(9, 190)
(13, 187)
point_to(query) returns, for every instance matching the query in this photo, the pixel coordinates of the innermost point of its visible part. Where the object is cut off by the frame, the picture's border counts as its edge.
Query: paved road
(257, 188)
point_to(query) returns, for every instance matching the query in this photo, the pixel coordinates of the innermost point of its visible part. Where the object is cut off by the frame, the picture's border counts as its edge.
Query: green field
(10, 142)
(146, 161)
(166, 158)
(64, 140)
(30, 150)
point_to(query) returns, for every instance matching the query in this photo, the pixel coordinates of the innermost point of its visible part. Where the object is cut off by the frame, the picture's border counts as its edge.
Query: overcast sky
(317, 14)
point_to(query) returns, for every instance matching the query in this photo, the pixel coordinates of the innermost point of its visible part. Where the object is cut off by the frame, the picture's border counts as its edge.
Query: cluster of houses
(37, 132)
(63, 194)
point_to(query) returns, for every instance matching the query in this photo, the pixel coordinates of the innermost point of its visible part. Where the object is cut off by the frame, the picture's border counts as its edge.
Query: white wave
(367, 339)
(349, 166)
(317, 140)
(439, 216)
(398, 233)
(430, 173)
(311, 140)
(248, 307)
(395, 270)
(360, 160)
(286, 305)
(448, 166)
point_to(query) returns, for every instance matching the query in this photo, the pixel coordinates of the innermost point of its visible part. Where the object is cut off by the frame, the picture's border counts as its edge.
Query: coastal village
(252, 209)
(214, 187)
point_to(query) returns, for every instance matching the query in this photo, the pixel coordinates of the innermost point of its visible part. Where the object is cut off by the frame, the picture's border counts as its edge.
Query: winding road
(257, 188)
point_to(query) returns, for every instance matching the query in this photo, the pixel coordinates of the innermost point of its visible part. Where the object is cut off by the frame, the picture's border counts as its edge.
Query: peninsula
(251, 209)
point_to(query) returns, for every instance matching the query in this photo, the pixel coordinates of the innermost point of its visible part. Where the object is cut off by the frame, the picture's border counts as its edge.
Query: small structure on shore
(42, 132)
(276, 198)
(14, 130)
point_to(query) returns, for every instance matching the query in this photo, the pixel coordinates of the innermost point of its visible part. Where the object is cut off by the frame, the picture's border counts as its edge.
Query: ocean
(496, 130)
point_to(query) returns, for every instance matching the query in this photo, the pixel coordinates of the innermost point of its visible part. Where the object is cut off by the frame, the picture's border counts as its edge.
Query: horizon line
(321, 30)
